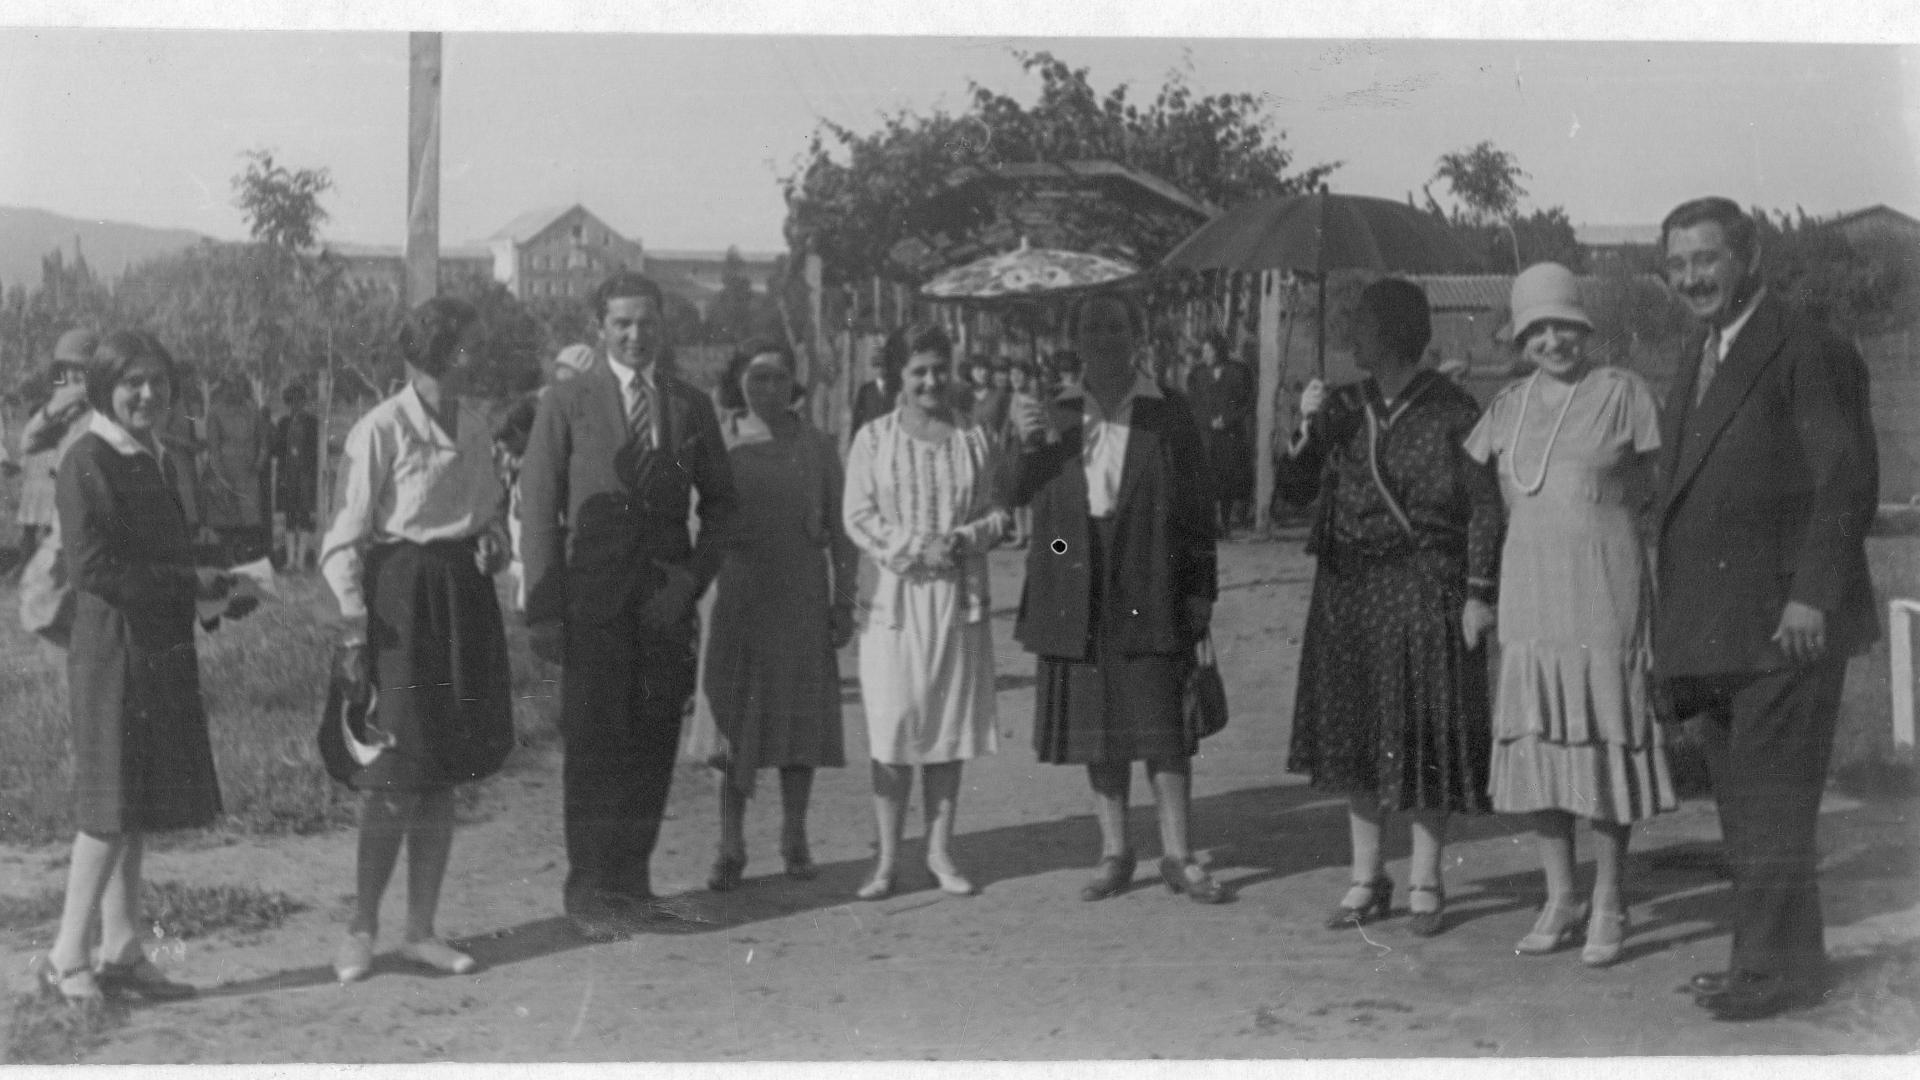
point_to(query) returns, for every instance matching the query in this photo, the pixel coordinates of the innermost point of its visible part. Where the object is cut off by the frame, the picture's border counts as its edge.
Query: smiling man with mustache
(1770, 478)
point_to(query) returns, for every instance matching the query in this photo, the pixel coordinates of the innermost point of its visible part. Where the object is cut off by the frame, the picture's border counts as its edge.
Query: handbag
(1203, 701)
(349, 740)
(46, 593)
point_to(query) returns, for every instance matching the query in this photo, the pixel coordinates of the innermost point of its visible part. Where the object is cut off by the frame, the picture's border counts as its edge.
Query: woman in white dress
(1573, 728)
(923, 501)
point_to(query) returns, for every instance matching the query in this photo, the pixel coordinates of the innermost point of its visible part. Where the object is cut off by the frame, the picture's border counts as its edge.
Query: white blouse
(404, 478)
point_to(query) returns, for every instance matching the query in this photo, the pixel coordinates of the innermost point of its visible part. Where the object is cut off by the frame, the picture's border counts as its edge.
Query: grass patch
(45, 1031)
(186, 912)
(263, 680)
(21, 913)
(175, 911)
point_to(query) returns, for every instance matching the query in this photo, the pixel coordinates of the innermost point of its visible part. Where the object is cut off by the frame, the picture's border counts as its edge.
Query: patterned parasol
(1025, 273)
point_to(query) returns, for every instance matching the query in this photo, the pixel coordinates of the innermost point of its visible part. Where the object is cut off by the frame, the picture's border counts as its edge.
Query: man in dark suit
(1769, 476)
(612, 576)
(875, 397)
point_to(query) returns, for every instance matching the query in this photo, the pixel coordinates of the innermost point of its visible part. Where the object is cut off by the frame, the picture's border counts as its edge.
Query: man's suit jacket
(1768, 488)
(597, 510)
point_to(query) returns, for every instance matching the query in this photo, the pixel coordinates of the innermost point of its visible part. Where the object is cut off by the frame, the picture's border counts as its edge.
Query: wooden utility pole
(423, 168)
(1266, 396)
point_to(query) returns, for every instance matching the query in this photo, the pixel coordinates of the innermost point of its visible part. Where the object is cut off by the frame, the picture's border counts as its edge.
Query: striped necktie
(640, 412)
(1709, 364)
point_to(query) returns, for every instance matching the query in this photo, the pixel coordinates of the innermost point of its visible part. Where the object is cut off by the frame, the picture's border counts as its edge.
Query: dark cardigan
(1163, 550)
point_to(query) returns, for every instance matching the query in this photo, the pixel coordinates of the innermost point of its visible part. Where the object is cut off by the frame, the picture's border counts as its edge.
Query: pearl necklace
(1553, 436)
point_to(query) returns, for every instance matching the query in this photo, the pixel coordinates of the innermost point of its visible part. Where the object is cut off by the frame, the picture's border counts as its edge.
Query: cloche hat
(1545, 291)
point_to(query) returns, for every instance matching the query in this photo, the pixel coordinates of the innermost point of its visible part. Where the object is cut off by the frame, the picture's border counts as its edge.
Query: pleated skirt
(1111, 707)
(439, 659)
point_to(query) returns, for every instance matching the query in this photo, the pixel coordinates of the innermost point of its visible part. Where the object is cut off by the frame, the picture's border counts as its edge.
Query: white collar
(119, 437)
(1732, 329)
(626, 374)
(415, 408)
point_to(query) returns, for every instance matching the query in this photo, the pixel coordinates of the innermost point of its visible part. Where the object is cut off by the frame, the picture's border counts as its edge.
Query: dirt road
(784, 969)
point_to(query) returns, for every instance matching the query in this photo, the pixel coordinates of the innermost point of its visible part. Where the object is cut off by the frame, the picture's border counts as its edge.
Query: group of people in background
(1439, 528)
(238, 469)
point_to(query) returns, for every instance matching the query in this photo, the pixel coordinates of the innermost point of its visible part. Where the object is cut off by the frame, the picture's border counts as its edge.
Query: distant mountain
(27, 235)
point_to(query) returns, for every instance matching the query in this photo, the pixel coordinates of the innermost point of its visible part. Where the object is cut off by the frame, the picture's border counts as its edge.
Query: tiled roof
(530, 224)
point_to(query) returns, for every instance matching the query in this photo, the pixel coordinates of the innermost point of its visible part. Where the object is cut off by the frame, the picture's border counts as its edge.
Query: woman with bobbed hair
(1392, 707)
(1121, 579)
(410, 557)
(142, 759)
(783, 606)
(923, 500)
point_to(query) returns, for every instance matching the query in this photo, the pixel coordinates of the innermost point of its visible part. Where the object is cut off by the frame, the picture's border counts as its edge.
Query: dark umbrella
(1319, 233)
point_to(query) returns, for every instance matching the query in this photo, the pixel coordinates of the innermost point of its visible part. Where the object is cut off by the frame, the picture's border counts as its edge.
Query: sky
(680, 140)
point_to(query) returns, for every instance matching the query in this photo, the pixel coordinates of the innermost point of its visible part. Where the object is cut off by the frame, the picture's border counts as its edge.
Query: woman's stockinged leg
(121, 928)
(429, 846)
(93, 862)
(1553, 836)
(1429, 843)
(1110, 782)
(1609, 864)
(383, 826)
(1172, 780)
(940, 791)
(1364, 819)
(891, 786)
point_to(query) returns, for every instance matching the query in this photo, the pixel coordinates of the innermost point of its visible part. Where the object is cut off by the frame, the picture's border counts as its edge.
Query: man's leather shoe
(1747, 996)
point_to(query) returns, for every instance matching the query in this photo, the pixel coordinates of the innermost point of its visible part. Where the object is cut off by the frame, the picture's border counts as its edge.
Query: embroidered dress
(1573, 723)
(926, 651)
(1390, 699)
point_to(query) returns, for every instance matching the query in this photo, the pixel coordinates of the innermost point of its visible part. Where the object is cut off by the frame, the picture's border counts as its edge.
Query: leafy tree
(282, 205)
(876, 204)
(1486, 181)
(1854, 288)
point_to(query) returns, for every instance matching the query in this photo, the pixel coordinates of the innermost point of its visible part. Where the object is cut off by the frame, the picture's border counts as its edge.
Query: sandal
(879, 888)
(1606, 932)
(143, 979)
(438, 955)
(1428, 923)
(353, 960)
(1557, 927)
(1110, 877)
(75, 987)
(952, 882)
(1187, 876)
(1374, 902)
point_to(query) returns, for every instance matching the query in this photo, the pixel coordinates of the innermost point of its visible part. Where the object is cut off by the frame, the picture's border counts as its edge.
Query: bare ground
(791, 970)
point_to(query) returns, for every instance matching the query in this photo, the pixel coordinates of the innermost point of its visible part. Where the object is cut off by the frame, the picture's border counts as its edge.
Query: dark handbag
(1203, 701)
(349, 740)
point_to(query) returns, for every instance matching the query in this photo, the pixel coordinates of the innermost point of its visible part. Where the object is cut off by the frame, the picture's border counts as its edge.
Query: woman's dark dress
(141, 756)
(296, 446)
(1391, 701)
